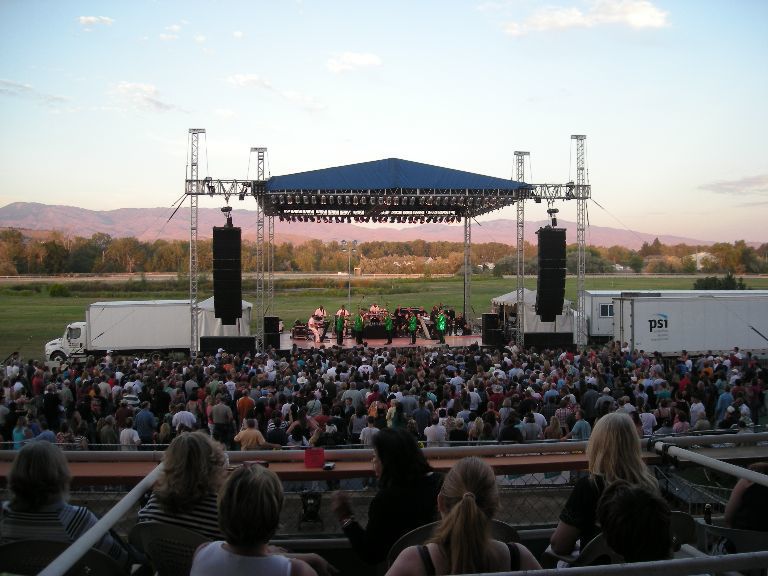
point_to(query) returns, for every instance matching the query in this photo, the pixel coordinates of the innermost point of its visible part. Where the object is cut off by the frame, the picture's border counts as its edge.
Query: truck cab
(72, 343)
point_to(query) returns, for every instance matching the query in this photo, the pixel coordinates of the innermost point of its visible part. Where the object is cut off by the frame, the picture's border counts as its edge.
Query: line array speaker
(227, 274)
(490, 322)
(550, 284)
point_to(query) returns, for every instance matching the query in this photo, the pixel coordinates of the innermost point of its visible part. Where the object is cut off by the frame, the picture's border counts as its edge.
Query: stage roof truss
(384, 204)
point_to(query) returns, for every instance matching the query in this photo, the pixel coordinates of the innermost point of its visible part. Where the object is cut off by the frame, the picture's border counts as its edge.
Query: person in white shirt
(129, 438)
(697, 410)
(436, 434)
(321, 314)
(313, 325)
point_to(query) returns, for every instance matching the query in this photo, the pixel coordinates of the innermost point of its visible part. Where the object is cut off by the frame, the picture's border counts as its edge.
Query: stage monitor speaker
(490, 322)
(227, 274)
(494, 337)
(231, 344)
(272, 339)
(271, 324)
(550, 284)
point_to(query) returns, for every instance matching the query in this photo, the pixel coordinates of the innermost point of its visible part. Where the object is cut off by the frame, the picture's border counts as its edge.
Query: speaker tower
(227, 276)
(550, 284)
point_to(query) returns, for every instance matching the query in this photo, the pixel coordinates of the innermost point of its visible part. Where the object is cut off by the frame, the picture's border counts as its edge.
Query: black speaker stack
(272, 332)
(493, 333)
(227, 276)
(230, 344)
(550, 284)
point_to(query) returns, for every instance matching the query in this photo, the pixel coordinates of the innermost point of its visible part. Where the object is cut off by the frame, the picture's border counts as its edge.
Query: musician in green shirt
(412, 323)
(440, 322)
(359, 326)
(388, 326)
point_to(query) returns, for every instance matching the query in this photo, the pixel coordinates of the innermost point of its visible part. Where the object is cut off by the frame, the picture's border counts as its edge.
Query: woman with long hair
(185, 492)
(462, 543)
(407, 496)
(613, 453)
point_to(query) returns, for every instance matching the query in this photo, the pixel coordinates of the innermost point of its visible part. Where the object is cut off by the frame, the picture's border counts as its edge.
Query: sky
(96, 99)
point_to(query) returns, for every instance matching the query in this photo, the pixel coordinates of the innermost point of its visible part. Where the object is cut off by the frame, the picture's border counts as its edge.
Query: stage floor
(286, 342)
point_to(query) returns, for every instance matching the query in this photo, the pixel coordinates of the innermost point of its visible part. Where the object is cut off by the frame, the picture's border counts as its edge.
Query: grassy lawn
(28, 319)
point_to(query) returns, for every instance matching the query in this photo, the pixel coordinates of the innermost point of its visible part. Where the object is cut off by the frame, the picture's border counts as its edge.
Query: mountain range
(150, 224)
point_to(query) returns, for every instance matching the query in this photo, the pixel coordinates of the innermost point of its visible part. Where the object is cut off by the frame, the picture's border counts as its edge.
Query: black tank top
(429, 566)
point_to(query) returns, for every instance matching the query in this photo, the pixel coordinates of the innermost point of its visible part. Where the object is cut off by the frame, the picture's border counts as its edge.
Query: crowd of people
(388, 399)
(327, 395)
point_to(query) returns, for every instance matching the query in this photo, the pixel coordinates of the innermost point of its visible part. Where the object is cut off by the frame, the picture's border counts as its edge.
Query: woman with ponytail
(462, 541)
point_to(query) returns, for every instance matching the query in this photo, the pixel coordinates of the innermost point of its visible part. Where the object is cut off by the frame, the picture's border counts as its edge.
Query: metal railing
(526, 498)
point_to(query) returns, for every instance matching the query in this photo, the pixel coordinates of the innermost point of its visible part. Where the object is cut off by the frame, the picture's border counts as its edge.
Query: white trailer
(698, 324)
(599, 305)
(141, 326)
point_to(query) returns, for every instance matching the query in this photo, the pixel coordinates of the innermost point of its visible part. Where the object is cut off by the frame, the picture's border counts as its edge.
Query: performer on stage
(412, 323)
(358, 327)
(440, 323)
(374, 309)
(340, 322)
(313, 325)
(322, 314)
(388, 326)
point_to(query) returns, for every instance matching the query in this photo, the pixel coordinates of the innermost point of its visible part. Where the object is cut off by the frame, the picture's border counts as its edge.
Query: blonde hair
(470, 500)
(250, 506)
(614, 452)
(193, 467)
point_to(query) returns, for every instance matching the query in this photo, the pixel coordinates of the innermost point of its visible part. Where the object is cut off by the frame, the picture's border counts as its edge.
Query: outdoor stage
(286, 342)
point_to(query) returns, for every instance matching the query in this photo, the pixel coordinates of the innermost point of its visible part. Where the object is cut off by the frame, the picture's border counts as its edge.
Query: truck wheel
(58, 357)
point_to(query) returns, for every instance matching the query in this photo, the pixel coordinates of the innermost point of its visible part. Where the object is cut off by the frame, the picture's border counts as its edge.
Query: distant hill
(149, 224)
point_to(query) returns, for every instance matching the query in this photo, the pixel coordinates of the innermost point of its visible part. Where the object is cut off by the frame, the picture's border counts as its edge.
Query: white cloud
(200, 39)
(747, 185)
(225, 113)
(174, 28)
(88, 21)
(246, 80)
(168, 37)
(348, 61)
(237, 34)
(255, 81)
(636, 14)
(142, 96)
(26, 91)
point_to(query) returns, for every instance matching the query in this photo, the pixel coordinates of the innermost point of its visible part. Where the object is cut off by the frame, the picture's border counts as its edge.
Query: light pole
(350, 248)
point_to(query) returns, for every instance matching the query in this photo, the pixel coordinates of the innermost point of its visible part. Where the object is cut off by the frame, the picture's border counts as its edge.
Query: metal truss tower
(194, 336)
(520, 327)
(582, 195)
(468, 268)
(264, 290)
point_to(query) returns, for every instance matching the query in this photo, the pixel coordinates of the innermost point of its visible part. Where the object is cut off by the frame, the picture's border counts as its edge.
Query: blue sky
(96, 98)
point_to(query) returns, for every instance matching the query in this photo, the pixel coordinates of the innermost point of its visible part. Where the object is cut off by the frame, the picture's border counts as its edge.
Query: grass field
(29, 318)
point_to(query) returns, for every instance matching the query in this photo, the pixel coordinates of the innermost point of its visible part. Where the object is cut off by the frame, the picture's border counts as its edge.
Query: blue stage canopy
(389, 174)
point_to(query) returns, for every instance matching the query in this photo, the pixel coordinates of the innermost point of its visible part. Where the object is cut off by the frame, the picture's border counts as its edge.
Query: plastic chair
(29, 557)
(169, 548)
(499, 531)
(596, 552)
(741, 541)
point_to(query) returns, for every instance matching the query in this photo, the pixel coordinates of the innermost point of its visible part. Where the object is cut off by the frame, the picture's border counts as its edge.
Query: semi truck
(143, 326)
(699, 323)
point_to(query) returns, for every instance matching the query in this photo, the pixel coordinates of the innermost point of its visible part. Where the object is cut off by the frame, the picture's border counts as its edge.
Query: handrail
(79, 547)
(713, 463)
(675, 567)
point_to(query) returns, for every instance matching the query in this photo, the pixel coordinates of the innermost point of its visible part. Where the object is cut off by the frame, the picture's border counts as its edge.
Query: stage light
(363, 200)
(305, 199)
(323, 200)
(314, 199)
(396, 201)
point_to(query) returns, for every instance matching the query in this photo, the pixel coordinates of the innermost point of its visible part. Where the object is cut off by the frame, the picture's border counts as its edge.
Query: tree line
(56, 253)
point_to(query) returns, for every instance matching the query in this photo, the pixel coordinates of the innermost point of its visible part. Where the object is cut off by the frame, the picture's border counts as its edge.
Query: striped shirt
(59, 522)
(202, 518)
